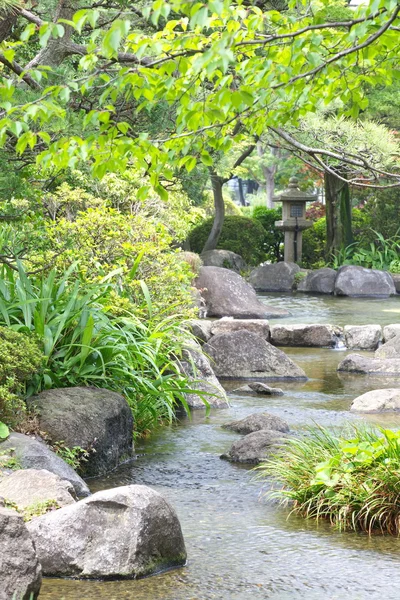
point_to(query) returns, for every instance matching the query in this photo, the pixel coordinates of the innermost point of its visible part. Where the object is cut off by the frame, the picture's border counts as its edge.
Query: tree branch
(16, 68)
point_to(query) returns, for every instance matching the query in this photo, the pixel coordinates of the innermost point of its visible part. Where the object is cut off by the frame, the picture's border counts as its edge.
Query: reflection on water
(240, 544)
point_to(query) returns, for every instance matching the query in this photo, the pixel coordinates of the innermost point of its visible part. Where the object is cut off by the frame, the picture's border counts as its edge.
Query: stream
(241, 544)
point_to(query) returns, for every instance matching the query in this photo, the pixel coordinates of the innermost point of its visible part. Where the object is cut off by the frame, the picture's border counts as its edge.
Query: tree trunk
(241, 193)
(269, 174)
(338, 214)
(219, 205)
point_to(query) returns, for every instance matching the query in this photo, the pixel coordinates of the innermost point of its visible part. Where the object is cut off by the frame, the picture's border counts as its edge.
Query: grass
(351, 479)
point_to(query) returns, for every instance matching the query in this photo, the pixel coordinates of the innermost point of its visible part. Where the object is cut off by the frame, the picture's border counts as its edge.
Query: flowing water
(240, 544)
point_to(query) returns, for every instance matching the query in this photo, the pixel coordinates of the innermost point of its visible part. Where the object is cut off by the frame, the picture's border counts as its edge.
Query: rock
(257, 422)
(387, 400)
(321, 281)
(89, 418)
(362, 337)
(254, 447)
(128, 531)
(277, 277)
(317, 336)
(201, 329)
(32, 454)
(256, 387)
(390, 331)
(30, 486)
(227, 325)
(396, 281)
(364, 365)
(224, 259)
(246, 355)
(391, 349)
(357, 281)
(227, 294)
(20, 570)
(202, 378)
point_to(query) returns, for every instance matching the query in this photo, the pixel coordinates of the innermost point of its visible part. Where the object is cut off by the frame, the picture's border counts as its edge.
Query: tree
(225, 73)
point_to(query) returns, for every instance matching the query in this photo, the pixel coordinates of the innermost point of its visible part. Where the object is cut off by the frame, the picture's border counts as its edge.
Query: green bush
(20, 359)
(314, 241)
(239, 234)
(351, 481)
(273, 240)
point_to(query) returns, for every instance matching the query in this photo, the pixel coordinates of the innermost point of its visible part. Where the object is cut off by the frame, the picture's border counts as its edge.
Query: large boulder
(201, 329)
(227, 325)
(257, 388)
(390, 349)
(365, 365)
(227, 294)
(317, 336)
(357, 281)
(246, 355)
(362, 337)
(387, 400)
(277, 277)
(255, 447)
(321, 281)
(31, 486)
(33, 454)
(202, 378)
(90, 418)
(396, 281)
(224, 259)
(128, 531)
(390, 331)
(20, 570)
(257, 422)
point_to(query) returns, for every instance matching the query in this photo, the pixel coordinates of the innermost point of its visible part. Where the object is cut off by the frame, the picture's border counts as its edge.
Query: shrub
(314, 241)
(351, 480)
(273, 240)
(20, 359)
(239, 234)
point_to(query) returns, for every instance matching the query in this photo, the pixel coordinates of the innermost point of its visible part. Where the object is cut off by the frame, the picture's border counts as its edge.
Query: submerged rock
(227, 294)
(255, 447)
(224, 259)
(128, 531)
(317, 336)
(257, 422)
(202, 378)
(32, 454)
(390, 349)
(258, 388)
(88, 418)
(28, 487)
(362, 337)
(20, 570)
(387, 400)
(365, 365)
(245, 355)
(276, 277)
(227, 325)
(357, 281)
(321, 281)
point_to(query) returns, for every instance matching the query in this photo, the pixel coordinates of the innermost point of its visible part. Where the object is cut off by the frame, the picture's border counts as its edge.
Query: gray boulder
(257, 422)
(357, 281)
(202, 378)
(30, 486)
(314, 336)
(227, 325)
(224, 259)
(364, 365)
(20, 570)
(396, 281)
(390, 349)
(88, 418)
(321, 281)
(362, 337)
(255, 447)
(391, 331)
(201, 329)
(227, 294)
(387, 400)
(257, 388)
(277, 277)
(32, 454)
(246, 355)
(128, 531)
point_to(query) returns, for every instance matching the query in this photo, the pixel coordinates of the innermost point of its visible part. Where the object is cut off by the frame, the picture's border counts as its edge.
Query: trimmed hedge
(273, 239)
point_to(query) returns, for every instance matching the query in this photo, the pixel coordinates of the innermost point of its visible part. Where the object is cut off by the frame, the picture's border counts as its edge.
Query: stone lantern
(293, 219)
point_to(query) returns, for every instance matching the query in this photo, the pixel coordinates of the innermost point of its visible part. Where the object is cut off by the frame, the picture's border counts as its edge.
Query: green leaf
(4, 431)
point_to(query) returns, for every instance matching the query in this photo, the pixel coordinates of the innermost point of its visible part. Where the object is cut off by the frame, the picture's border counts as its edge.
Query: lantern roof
(294, 194)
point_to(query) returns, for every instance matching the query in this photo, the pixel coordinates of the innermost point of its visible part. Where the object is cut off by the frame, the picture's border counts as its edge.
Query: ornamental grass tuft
(351, 479)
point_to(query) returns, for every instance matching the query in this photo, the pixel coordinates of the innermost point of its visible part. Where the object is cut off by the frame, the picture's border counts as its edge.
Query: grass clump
(352, 479)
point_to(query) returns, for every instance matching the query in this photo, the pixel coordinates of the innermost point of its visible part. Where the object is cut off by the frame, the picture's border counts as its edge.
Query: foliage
(239, 234)
(315, 211)
(73, 456)
(231, 208)
(20, 360)
(8, 460)
(273, 240)
(39, 508)
(314, 240)
(4, 431)
(352, 479)
(382, 254)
